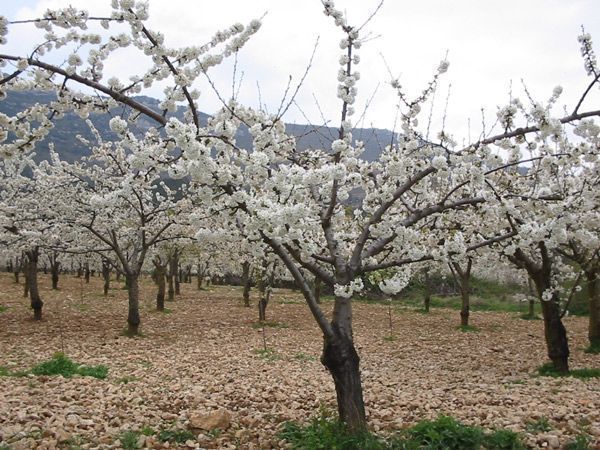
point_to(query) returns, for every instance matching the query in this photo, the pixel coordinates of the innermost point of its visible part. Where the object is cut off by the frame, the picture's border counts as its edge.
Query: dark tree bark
(54, 269)
(160, 275)
(463, 278)
(86, 272)
(178, 278)
(531, 303)
(172, 275)
(25, 265)
(317, 289)
(427, 291)
(133, 294)
(341, 359)
(105, 275)
(32, 282)
(593, 286)
(246, 283)
(554, 331)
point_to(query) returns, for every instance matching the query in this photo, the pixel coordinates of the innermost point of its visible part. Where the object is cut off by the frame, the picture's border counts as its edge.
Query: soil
(206, 353)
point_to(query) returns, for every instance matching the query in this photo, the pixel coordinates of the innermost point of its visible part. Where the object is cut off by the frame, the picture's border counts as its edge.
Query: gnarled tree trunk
(160, 274)
(343, 363)
(54, 269)
(133, 294)
(554, 331)
(463, 278)
(426, 291)
(32, 283)
(106, 276)
(593, 286)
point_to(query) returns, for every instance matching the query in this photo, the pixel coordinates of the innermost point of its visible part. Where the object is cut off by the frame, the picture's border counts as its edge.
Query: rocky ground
(207, 355)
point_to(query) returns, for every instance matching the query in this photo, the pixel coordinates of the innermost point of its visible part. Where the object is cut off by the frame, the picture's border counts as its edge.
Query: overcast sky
(489, 43)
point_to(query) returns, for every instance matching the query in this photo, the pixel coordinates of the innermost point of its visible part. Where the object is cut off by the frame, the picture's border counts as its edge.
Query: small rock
(209, 421)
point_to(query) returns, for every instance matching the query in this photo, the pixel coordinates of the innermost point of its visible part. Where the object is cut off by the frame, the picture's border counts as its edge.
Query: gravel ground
(205, 355)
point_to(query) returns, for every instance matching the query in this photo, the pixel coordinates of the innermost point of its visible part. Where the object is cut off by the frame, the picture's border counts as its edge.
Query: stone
(220, 419)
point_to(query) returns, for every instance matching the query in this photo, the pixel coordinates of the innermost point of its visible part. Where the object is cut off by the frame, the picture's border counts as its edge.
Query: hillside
(67, 128)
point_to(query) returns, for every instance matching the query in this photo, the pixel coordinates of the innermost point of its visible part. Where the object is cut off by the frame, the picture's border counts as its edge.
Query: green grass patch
(548, 370)
(269, 324)
(267, 354)
(3, 308)
(325, 432)
(468, 329)
(129, 440)
(581, 442)
(147, 431)
(176, 436)
(60, 364)
(389, 338)
(541, 425)
(594, 348)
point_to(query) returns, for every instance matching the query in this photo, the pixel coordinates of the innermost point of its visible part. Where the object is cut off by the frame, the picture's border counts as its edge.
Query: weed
(3, 308)
(4, 447)
(389, 338)
(548, 370)
(60, 364)
(177, 436)
(582, 442)
(267, 354)
(147, 431)
(541, 425)
(445, 433)
(503, 440)
(326, 432)
(129, 440)
(214, 433)
(468, 329)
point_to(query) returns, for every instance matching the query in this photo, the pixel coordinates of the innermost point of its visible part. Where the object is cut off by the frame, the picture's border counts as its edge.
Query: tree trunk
(133, 293)
(317, 290)
(199, 280)
(463, 278)
(427, 292)
(171, 277)
(25, 275)
(54, 270)
(531, 303)
(341, 359)
(593, 281)
(465, 303)
(87, 272)
(555, 334)
(32, 282)
(178, 278)
(246, 283)
(106, 276)
(160, 278)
